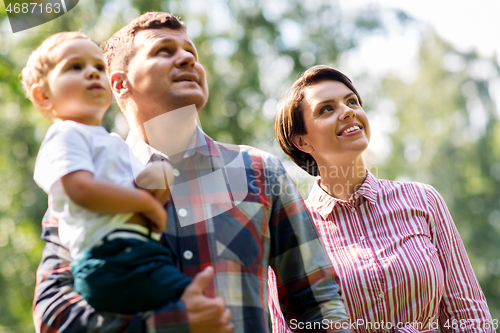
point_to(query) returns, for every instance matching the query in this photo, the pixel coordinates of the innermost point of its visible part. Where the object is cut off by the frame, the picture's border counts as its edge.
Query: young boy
(88, 175)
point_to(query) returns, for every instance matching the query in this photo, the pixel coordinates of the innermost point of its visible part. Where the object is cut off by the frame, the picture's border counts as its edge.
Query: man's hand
(205, 315)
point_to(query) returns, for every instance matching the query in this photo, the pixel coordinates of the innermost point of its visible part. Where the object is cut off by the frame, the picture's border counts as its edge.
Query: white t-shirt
(69, 146)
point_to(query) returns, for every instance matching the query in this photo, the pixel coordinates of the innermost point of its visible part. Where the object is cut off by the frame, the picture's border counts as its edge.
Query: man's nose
(185, 58)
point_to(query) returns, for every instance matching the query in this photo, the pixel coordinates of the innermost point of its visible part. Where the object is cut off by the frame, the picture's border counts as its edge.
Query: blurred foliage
(448, 136)
(445, 129)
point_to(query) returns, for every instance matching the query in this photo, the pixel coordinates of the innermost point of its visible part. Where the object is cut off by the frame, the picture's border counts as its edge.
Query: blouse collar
(324, 203)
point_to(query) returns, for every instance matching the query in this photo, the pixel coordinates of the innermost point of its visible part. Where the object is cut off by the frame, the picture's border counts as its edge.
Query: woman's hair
(289, 119)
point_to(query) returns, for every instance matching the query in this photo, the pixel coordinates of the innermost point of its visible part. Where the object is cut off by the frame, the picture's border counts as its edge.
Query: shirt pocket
(238, 233)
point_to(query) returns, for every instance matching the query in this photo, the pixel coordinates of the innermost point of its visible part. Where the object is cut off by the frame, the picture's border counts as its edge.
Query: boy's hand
(161, 195)
(155, 179)
(157, 216)
(156, 176)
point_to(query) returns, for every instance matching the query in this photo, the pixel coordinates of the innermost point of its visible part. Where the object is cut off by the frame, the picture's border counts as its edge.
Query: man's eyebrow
(167, 40)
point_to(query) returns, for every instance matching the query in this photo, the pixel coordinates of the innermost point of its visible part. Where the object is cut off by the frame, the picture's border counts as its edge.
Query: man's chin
(196, 98)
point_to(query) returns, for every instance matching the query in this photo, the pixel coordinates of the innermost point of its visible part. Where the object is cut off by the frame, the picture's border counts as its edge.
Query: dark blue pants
(128, 276)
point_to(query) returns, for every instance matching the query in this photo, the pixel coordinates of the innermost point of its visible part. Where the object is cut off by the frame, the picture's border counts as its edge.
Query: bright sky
(467, 24)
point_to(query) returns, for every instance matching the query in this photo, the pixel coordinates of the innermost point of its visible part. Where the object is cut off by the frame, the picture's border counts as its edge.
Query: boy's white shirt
(69, 146)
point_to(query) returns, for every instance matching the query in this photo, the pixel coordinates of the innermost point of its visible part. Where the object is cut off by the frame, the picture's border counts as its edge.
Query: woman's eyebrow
(328, 101)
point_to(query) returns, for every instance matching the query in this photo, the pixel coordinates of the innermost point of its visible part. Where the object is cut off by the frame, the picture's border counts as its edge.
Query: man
(154, 71)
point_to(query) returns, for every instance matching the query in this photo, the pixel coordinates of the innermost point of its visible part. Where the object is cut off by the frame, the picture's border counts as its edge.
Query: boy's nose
(93, 73)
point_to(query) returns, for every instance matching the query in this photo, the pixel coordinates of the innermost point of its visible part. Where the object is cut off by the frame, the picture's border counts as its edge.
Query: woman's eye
(327, 108)
(352, 101)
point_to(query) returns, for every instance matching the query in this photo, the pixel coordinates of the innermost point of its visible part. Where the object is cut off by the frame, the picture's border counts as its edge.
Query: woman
(400, 260)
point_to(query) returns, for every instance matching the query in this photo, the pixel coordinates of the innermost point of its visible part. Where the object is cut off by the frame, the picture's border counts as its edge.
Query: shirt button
(188, 255)
(381, 295)
(128, 250)
(356, 195)
(371, 260)
(176, 173)
(353, 209)
(182, 212)
(362, 238)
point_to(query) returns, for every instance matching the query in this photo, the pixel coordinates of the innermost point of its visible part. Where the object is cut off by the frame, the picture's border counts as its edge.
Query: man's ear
(120, 84)
(302, 144)
(40, 98)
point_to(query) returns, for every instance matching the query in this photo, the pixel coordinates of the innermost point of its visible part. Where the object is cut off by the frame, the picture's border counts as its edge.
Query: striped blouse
(400, 260)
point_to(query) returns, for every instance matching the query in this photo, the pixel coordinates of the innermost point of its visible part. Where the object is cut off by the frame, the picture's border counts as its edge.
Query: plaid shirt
(269, 227)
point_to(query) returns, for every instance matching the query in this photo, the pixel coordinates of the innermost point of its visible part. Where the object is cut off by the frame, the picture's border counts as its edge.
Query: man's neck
(171, 132)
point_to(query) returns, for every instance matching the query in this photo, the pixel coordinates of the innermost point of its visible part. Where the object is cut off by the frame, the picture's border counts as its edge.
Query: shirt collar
(370, 187)
(324, 203)
(200, 143)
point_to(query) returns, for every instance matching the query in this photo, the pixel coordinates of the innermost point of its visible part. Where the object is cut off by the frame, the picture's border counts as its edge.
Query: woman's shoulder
(392, 186)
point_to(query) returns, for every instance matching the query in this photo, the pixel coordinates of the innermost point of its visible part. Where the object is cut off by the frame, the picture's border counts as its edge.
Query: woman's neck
(342, 178)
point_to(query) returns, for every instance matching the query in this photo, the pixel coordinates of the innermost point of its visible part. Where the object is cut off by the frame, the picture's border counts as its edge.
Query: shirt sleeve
(65, 149)
(57, 308)
(463, 307)
(305, 279)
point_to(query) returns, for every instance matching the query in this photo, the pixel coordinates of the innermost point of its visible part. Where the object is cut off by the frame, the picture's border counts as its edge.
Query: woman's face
(336, 124)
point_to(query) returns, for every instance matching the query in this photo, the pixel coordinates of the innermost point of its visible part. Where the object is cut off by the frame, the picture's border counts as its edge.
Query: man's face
(165, 74)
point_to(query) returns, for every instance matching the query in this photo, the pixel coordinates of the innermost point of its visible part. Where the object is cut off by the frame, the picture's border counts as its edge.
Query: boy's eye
(75, 67)
(100, 67)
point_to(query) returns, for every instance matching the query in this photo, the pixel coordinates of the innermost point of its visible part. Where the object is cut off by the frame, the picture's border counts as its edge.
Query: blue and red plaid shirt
(270, 226)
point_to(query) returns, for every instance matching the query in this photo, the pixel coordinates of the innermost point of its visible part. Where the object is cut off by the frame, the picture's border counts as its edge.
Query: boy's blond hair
(40, 63)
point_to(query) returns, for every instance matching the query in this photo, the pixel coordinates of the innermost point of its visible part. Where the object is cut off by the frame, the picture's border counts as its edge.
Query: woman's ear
(301, 143)
(40, 98)
(120, 84)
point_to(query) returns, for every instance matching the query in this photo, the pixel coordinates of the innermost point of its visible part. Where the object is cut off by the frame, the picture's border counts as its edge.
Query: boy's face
(77, 87)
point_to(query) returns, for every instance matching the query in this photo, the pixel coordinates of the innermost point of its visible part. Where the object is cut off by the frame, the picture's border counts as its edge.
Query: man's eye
(163, 50)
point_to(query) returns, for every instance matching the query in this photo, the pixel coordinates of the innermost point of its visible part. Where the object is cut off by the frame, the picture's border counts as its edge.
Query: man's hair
(40, 63)
(119, 49)
(289, 119)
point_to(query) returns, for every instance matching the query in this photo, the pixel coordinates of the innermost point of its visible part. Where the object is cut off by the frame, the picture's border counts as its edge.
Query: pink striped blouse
(400, 261)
